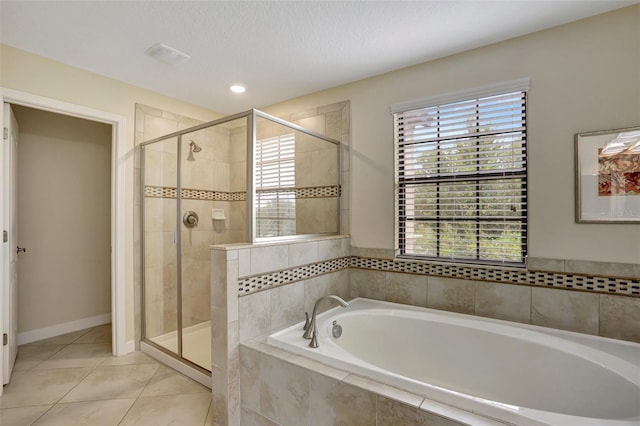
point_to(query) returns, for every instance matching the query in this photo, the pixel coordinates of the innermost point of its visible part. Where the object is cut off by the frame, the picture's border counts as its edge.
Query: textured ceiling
(279, 49)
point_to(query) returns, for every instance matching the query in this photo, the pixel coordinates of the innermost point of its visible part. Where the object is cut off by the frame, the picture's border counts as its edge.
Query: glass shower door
(159, 205)
(201, 166)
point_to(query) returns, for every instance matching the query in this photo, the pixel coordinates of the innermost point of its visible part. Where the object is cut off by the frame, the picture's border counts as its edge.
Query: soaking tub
(515, 373)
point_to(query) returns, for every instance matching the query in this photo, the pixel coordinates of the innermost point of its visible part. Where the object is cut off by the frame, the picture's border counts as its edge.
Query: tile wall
(587, 297)
(316, 161)
(279, 388)
(236, 319)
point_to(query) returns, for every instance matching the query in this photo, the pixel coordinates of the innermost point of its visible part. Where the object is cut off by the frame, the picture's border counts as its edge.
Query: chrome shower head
(194, 147)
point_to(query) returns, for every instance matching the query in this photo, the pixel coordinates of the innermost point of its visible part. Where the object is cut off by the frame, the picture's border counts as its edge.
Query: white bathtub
(515, 373)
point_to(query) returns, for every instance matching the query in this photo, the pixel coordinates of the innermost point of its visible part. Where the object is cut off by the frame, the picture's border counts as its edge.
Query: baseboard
(130, 346)
(64, 328)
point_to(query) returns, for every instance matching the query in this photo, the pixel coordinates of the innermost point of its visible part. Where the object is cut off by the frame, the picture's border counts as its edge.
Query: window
(275, 186)
(461, 169)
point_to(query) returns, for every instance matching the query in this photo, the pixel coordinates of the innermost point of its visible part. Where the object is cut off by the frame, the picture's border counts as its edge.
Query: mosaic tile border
(203, 194)
(310, 192)
(256, 283)
(567, 281)
(193, 194)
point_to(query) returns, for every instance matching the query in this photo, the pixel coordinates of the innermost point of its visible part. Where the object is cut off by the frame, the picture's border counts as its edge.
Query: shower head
(194, 147)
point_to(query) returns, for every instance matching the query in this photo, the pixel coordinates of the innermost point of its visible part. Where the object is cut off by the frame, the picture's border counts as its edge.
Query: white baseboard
(130, 346)
(64, 328)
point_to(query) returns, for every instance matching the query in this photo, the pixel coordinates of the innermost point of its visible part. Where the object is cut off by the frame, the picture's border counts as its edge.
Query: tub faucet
(310, 331)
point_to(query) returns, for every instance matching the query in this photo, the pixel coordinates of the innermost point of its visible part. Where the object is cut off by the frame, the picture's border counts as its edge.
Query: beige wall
(585, 76)
(34, 74)
(64, 179)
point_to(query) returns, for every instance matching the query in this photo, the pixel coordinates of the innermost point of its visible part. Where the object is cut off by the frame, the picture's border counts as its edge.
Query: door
(9, 245)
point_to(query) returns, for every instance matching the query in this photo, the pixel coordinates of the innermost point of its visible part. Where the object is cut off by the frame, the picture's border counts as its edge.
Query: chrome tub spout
(310, 331)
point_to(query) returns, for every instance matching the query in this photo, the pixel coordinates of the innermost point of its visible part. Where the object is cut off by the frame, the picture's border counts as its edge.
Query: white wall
(64, 219)
(585, 76)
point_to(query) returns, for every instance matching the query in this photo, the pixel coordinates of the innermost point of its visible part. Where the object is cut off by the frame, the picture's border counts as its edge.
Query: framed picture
(608, 176)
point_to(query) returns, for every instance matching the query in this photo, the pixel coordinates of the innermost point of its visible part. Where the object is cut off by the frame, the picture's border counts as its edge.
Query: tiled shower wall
(316, 164)
(204, 173)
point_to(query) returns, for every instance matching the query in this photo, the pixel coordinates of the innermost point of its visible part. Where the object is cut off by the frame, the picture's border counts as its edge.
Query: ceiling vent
(167, 54)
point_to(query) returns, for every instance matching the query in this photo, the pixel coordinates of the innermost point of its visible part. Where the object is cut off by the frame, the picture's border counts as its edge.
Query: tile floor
(73, 380)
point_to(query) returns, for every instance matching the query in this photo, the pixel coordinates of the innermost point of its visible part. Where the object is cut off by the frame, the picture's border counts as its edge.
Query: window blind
(461, 170)
(275, 183)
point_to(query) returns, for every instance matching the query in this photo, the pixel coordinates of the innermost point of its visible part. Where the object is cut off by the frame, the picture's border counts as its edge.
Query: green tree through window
(461, 179)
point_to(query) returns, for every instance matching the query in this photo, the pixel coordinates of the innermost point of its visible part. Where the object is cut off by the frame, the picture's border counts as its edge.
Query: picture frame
(608, 176)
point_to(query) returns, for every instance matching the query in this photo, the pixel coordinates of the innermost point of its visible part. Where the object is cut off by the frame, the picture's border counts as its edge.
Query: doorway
(117, 208)
(63, 203)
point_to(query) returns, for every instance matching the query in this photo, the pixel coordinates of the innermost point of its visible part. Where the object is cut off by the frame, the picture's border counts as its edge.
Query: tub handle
(306, 321)
(336, 330)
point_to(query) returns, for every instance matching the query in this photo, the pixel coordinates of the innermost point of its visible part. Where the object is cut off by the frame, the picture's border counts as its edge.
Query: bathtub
(514, 373)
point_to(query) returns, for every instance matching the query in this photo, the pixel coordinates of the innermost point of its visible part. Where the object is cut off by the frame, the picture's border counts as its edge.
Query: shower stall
(245, 178)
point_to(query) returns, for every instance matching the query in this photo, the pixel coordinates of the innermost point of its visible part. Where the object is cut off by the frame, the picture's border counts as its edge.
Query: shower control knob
(21, 249)
(190, 219)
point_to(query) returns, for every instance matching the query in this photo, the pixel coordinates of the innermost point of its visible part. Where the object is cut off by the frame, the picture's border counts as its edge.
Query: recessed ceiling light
(238, 88)
(167, 54)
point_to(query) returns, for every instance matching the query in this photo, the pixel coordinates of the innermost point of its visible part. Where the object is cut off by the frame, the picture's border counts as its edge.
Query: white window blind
(275, 186)
(461, 170)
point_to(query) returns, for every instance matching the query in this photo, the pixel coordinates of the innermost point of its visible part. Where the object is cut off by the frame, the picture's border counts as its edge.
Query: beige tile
(22, 416)
(303, 253)
(40, 387)
(169, 410)
(408, 289)
(100, 334)
(338, 403)
(209, 420)
(250, 377)
(78, 355)
(30, 356)
(269, 258)
(373, 253)
(287, 305)
(369, 284)
(251, 418)
(544, 264)
(284, 392)
(155, 127)
(503, 301)
(392, 413)
(603, 269)
(451, 294)
(121, 381)
(620, 317)
(336, 283)
(167, 381)
(94, 413)
(254, 314)
(63, 339)
(566, 310)
(378, 388)
(333, 248)
(128, 359)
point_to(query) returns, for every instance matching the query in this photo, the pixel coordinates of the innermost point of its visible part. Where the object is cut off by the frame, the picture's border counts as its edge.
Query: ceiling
(278, 49)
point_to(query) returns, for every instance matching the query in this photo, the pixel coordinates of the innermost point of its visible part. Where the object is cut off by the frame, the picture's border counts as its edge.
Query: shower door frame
(251, 116)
